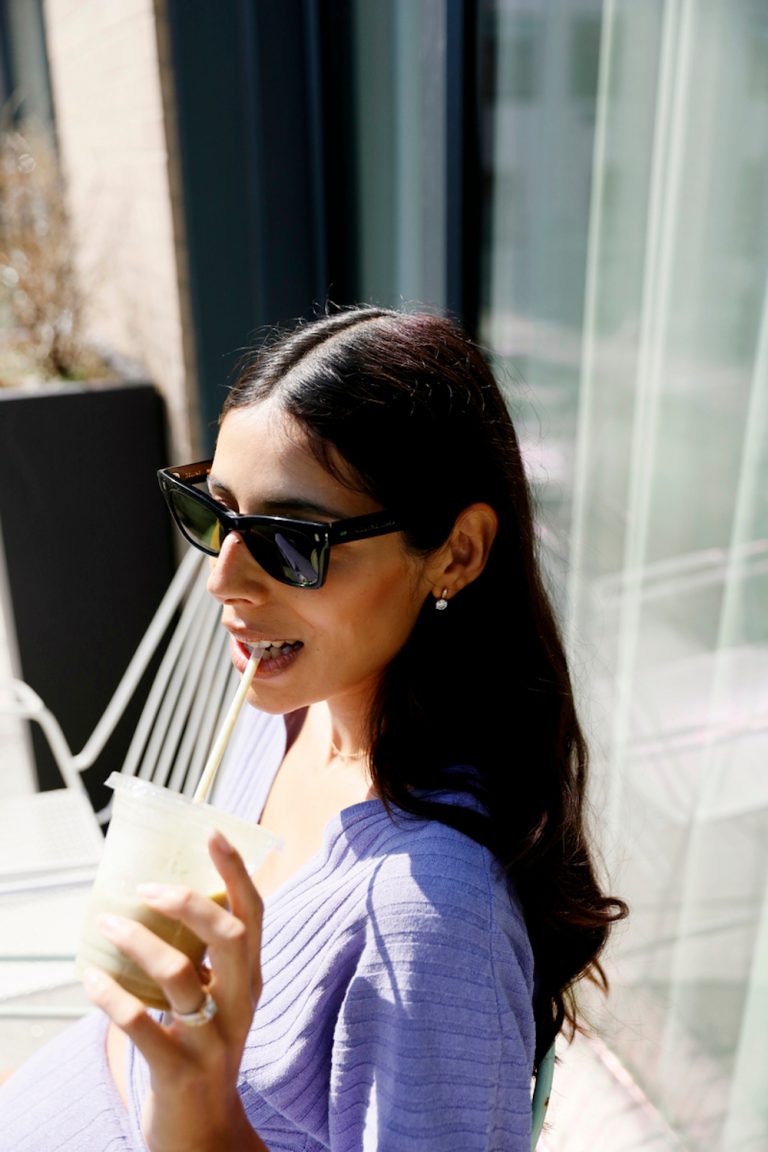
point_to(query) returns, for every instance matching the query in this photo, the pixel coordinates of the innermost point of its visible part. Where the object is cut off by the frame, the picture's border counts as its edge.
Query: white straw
(216, 753)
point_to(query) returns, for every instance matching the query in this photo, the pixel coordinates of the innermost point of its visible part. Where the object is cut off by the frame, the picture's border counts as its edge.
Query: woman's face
(338, 638)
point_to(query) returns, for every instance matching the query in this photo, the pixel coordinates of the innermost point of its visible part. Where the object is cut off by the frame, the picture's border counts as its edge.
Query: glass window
(400, 149)
(29, 96)
(583, 56)
(624, 294)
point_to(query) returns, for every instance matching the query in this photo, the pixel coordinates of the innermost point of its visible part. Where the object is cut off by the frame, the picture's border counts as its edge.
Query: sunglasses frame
(324, 535)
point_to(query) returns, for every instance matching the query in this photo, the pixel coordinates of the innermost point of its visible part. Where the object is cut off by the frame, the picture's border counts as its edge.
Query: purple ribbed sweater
(396, 1012)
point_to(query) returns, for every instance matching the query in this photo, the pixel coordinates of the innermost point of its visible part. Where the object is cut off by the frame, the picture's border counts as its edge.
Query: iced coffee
(158, 836)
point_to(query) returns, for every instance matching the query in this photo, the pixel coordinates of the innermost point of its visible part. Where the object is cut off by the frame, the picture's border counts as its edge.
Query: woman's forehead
(263, 455)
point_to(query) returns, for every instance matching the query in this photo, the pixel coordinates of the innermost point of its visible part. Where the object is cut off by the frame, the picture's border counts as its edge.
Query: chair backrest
(185, 704)
(189, 696)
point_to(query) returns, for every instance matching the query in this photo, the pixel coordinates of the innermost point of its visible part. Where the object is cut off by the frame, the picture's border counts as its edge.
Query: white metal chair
(542, 1090)
(171, 741)
(50, 842)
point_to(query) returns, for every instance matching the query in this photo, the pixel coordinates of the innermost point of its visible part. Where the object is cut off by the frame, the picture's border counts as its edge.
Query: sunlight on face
(340, 637)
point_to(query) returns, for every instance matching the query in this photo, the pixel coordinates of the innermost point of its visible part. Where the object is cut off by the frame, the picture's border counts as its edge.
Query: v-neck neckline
(333, 827)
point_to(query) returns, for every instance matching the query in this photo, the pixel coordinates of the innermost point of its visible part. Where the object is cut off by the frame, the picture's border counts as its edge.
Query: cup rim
(135, 787)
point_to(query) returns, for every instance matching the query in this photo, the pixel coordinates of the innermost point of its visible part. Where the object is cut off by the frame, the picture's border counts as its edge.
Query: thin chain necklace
(347, 755)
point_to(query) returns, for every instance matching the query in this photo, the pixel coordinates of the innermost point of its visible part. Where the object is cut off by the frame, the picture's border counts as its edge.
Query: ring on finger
(204, 1014)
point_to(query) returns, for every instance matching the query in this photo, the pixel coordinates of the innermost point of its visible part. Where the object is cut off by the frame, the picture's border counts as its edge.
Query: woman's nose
(234, 574)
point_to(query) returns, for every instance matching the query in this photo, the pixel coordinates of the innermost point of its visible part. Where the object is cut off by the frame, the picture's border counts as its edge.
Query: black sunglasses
(295, 552)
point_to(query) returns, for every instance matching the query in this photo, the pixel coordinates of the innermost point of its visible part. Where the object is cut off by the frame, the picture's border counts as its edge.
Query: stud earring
(442, 603)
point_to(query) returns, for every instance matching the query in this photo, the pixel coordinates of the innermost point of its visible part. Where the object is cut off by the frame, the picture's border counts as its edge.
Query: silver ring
(203, 1015)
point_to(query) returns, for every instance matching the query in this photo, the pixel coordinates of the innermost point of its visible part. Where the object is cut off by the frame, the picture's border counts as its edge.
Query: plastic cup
(157, 835)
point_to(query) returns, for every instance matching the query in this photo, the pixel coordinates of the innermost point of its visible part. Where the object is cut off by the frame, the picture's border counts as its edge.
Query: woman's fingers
(130, 1015)
(232, 937)
(193, 1063)
(171, 969)
(244, 901)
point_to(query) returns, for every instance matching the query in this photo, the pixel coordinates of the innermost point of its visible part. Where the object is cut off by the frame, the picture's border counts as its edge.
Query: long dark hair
(411, 407)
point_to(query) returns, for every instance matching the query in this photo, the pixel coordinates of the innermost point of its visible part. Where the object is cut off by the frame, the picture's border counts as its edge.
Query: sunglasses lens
(294, 556)
(290, 555)
(197, 521)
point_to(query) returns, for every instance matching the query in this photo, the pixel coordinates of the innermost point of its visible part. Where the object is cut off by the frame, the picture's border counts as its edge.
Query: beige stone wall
(108, 101)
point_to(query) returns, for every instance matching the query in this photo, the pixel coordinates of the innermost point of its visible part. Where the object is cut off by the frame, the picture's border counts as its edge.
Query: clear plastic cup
(159, 836)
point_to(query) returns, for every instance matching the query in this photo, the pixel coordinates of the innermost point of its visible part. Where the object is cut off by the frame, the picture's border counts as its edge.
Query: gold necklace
(347, 755)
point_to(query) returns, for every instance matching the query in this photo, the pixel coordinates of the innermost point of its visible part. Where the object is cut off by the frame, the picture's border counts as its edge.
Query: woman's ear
(465, 553)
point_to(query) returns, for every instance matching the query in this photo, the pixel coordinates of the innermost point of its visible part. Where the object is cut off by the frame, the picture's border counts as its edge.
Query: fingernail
(111, 925)
(153, 891)
(93, 978)
(221, 842)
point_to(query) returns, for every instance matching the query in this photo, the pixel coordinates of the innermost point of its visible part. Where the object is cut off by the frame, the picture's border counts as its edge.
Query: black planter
(88, 548)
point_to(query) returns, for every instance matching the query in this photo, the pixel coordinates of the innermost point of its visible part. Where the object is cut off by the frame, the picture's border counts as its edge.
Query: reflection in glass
(625, 154)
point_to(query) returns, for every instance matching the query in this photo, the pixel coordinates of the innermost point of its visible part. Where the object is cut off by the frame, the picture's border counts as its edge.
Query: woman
(435, 901)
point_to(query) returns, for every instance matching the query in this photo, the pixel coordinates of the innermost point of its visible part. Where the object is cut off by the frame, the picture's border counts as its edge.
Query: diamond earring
(442, 603)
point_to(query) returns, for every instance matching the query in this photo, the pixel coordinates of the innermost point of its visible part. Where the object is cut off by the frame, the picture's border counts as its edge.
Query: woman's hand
(193, 1105)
